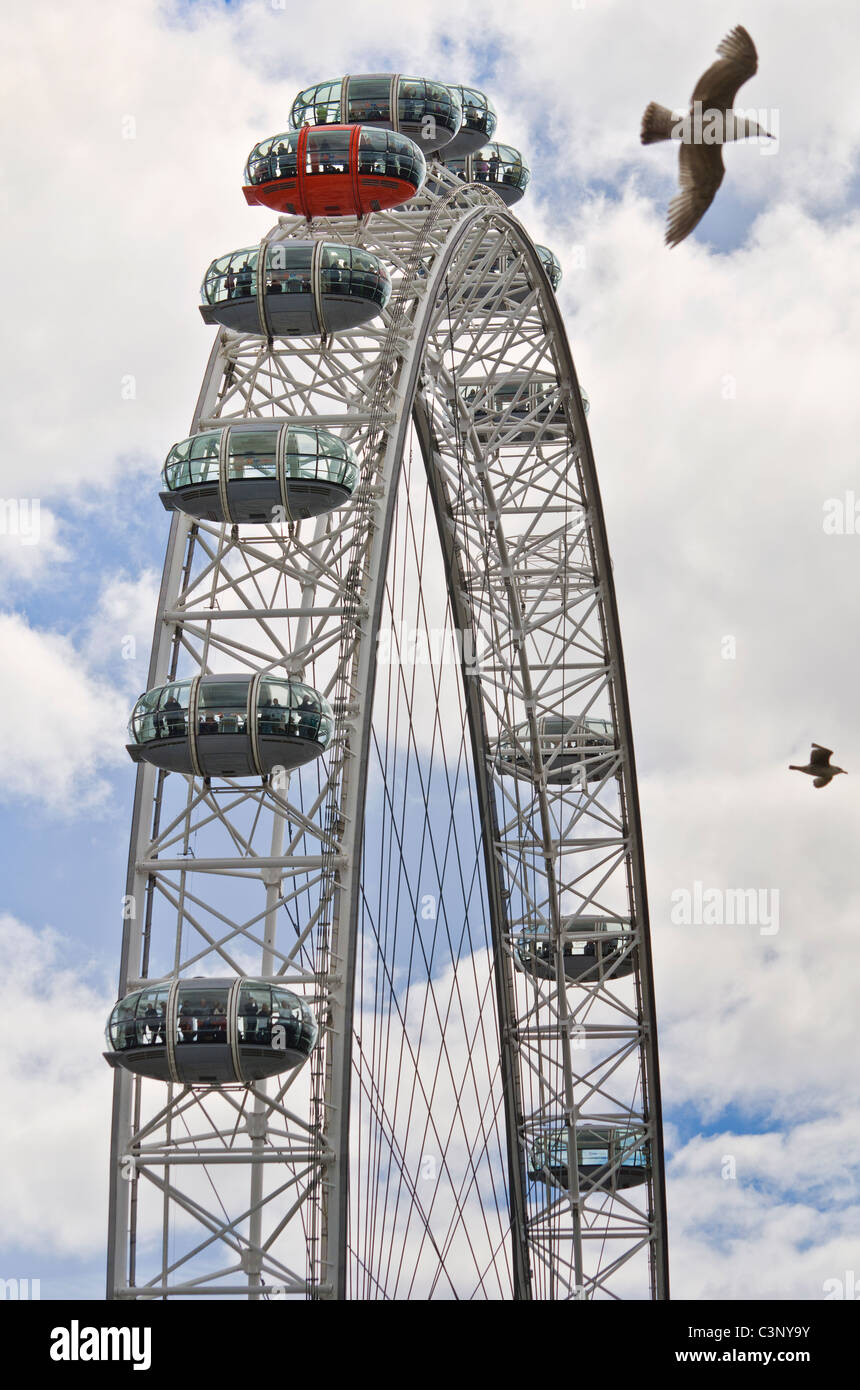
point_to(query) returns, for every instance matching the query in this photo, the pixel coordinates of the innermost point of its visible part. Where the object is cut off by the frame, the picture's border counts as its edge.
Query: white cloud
(60, 727)
(784, 1225)
(120, 631)
(55, 1090)
(31, 541)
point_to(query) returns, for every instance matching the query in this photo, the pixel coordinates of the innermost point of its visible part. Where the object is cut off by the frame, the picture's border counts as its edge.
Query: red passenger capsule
(334, 171)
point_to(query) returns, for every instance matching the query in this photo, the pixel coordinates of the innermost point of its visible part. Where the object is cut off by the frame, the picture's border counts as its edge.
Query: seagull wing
(820, 781)
(820, 757)
(718, 87)
(700, 173)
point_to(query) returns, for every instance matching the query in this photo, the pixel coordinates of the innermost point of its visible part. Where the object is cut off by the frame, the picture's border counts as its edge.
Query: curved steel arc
(348, 893)
(609, 609)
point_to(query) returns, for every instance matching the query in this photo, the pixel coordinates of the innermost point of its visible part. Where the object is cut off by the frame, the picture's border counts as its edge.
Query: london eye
(385, 1025)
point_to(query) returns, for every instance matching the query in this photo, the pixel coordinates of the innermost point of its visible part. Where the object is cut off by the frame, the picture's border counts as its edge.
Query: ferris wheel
(386, 1022)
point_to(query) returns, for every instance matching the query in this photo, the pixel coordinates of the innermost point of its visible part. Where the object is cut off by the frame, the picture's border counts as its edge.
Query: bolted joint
(256, 1125)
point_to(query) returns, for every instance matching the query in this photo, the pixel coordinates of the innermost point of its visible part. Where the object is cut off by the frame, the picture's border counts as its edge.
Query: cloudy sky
(723, 385)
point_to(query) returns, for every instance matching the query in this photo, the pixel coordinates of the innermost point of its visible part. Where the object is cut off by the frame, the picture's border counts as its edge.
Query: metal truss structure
(392, 882)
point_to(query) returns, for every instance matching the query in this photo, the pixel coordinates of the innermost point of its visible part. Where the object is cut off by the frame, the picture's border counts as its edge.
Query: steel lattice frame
(266, 879)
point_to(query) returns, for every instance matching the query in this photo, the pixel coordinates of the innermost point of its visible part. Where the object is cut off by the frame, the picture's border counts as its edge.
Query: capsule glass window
(592, 1154)
(289, 1013)
(288, 268)
(194, 460)
(478, 111)
(369, 99)
(161, 713)
(418, 98)
(335, 270)
(255, 1014)
(372, 149)
(320, 457)
(252, 454)
(630, 1148)
(551, 265)
(274, 158)
(222, 707)
(510, 165)
(368, 277)
(327, 152)
(293, 709)
(139, 1020)
(121, 1029)
(511, 393)
(601, 727)
(202, 1014)
(319, 105)
(495, 164)
(395, 156)
(151, 1016)
(348, 270)
(231, 277)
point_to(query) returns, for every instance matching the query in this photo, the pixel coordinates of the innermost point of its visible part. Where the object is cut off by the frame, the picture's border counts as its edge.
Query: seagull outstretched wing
(700, 173)
(718, 87)
(820, 757)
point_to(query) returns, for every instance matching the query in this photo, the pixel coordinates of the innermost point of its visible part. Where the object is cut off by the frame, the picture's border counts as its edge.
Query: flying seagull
(709, 125)
(819, 766)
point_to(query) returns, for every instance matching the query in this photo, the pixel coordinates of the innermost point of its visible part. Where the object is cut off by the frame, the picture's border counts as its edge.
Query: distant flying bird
(819, 766)
(702, 133)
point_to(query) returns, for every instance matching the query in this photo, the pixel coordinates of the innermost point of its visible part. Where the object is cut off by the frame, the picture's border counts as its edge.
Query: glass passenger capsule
(334, 171)
(230, 726)
(504, 281)
(517, 409)
(430, 113)
(500, 167)
(259, 472)
(593, 950)
(307, 287)
(609, 1157)
(211, 1032)
(551, 264)
(569, 749)
(479, 123)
